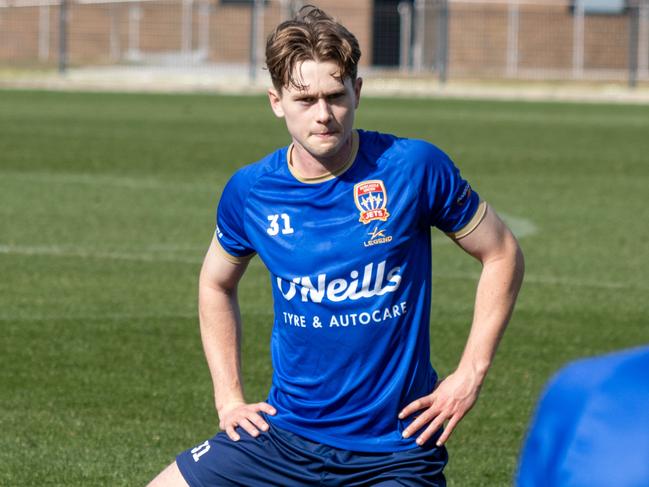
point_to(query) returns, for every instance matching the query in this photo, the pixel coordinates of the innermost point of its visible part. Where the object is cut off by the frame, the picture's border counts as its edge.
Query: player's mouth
(325, 135)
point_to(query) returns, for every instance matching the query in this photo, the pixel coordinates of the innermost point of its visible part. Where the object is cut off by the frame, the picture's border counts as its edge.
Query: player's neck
(310, 167)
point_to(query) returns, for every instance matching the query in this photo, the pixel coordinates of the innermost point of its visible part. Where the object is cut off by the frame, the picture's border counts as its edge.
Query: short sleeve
(451, 204)
(230, 225)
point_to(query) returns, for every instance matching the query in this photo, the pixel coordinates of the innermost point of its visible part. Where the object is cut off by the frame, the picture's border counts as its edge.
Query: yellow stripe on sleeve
(232, 258)
(473, 224)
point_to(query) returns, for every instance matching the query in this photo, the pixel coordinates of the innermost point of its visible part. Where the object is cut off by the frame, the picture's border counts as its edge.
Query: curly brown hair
(311, 35)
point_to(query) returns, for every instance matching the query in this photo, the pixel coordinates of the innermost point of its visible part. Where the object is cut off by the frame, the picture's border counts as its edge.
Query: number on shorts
(200, 450)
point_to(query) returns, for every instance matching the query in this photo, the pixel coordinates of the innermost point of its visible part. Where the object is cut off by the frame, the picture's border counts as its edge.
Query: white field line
(146, 255)
(152, 256)
(108, 180)
(543, 119)
(521, 227)
(114, 316)
(99, 316)
(549, 281)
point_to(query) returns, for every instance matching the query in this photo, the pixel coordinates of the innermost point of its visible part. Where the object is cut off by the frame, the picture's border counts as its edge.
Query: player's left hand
(452, 398)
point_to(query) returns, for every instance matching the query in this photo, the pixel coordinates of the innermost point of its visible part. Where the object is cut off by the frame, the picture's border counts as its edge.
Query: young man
(342, 220)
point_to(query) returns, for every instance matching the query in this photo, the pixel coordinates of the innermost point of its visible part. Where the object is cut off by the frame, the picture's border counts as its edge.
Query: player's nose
(323, 111)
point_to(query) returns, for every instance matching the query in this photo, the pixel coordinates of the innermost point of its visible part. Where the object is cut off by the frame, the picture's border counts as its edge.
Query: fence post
(186, 29)
(513, 26)
(134, 17)
(43, 33)
(405, 28)
(443, 40)
(420, 25)
(285, 10)
(578, 40)
(63, 36)
(634, 24)
(115, 50)
(643, 39)
(256, 35)
(204, 30)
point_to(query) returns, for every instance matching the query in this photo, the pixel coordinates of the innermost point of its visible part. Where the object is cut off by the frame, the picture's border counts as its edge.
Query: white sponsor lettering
(372, 283)
(288, 295)
(365, 318)
(295, 320)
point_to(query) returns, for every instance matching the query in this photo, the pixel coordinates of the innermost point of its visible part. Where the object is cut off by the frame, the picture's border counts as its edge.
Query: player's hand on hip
(246, 416)
(452, 398)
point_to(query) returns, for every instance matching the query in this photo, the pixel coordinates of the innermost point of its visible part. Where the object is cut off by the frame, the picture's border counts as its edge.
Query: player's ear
(358, 84)
(275, 102)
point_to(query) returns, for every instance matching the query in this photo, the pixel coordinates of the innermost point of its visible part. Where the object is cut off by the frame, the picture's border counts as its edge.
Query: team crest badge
(371, 200)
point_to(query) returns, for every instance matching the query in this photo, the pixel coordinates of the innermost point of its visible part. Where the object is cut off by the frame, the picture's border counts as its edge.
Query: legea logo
(374, 282)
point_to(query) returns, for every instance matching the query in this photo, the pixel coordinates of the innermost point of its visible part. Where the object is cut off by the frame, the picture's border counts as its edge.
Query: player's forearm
(496, 294)
(220, 326)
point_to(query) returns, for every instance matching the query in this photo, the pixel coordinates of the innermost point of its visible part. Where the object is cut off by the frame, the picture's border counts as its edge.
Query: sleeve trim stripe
(473, 224)
(232, 258)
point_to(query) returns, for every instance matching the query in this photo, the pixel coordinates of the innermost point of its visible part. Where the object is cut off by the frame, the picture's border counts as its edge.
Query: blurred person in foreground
(591, 427)
(342, 219)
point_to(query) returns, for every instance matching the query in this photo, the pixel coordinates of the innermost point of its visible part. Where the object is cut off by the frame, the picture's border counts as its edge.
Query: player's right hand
(246, 416)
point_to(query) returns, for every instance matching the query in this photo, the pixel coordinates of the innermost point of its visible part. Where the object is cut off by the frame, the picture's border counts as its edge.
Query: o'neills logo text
(371, 200)
(373, 282)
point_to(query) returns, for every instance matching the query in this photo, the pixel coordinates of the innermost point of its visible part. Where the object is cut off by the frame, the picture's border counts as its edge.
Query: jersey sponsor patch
(372, 282)
(371, 200)
(377, 237)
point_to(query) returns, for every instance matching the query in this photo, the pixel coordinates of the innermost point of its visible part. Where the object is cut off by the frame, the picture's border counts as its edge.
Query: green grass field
(107, 206)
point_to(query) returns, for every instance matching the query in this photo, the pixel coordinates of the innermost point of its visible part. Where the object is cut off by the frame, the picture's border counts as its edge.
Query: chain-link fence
(478, 39)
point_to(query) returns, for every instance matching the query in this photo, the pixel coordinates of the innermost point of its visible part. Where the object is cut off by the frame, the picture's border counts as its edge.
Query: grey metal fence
(478, 39)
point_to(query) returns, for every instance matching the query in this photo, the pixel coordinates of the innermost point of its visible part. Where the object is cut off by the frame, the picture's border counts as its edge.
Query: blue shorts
(281, 458)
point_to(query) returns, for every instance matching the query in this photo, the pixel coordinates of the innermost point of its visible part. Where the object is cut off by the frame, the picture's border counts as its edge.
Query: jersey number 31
(274, 227)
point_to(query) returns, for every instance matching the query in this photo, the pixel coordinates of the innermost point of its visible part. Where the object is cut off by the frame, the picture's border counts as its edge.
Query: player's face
(319, 117)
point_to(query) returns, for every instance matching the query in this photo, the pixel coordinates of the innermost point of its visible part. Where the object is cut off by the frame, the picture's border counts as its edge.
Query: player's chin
(326, 145)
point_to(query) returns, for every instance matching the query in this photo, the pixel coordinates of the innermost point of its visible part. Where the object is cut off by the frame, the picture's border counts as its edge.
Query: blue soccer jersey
(349, 256)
